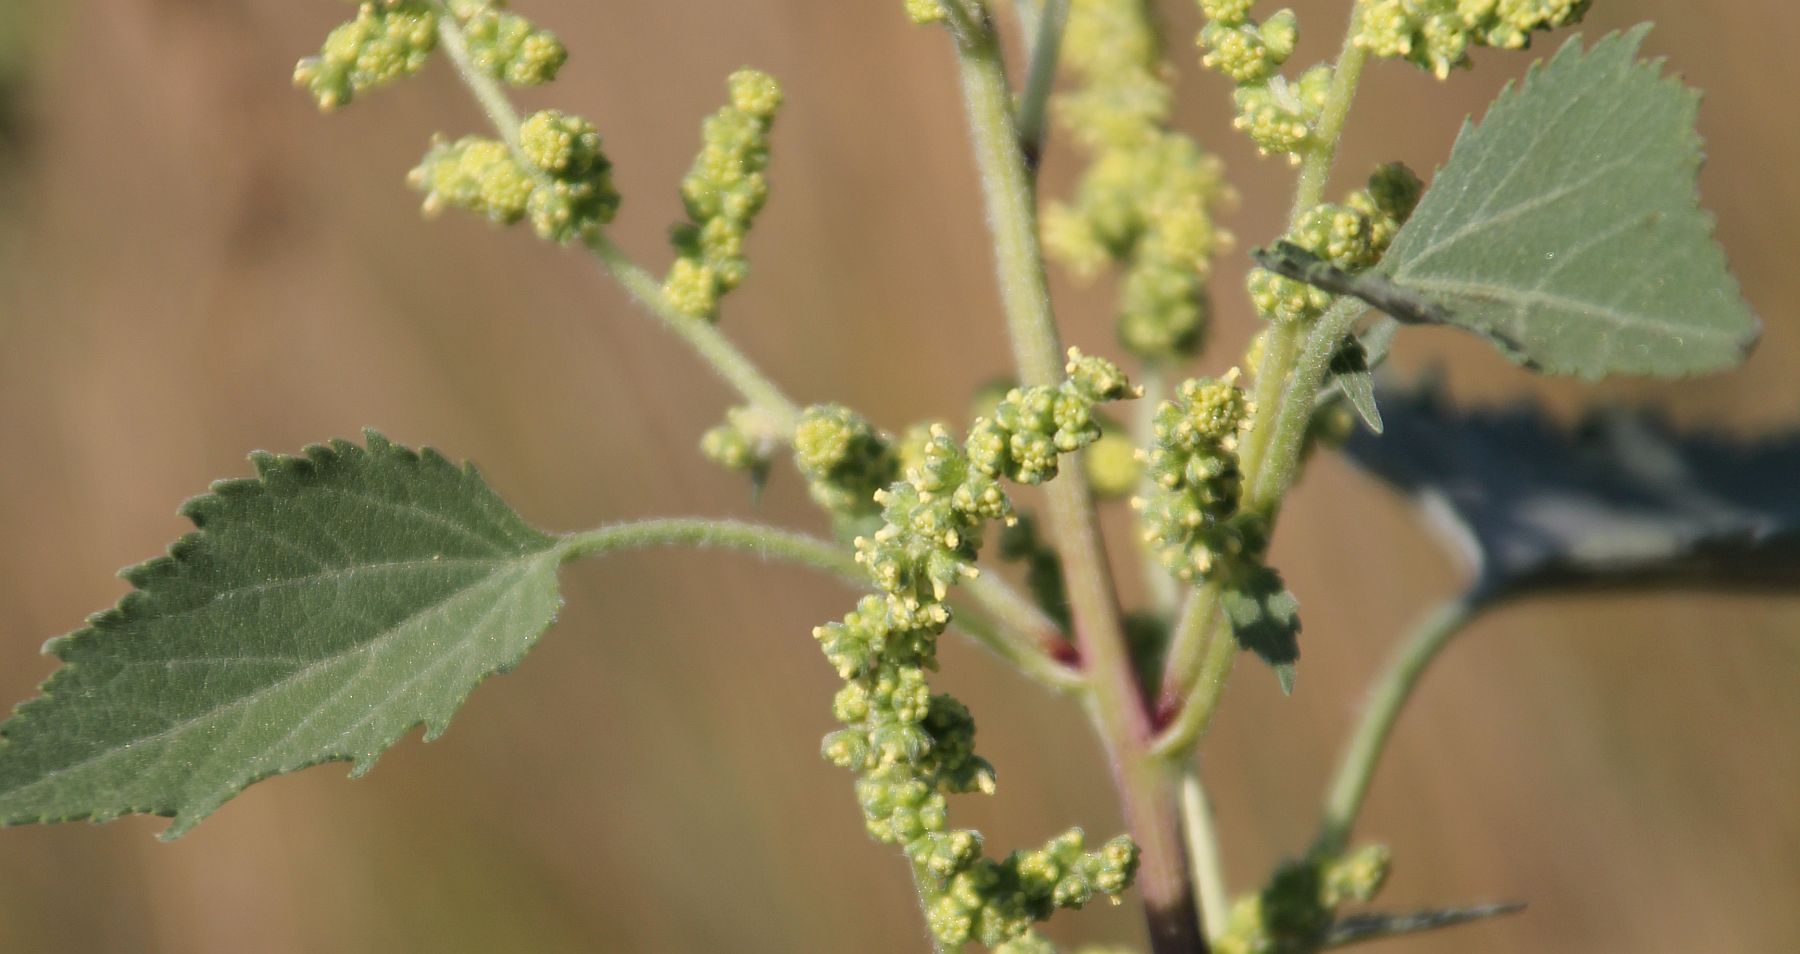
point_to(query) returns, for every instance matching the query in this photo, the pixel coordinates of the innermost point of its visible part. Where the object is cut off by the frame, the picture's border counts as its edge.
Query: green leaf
(319, 613)
(1620, 501)
(1265, 619)
(1351, 373)
(1567, 225)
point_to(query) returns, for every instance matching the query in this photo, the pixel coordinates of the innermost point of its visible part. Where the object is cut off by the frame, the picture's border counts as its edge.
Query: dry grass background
(197, 264)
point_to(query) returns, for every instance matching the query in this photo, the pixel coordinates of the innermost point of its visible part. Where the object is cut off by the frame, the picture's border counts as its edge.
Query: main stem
(1201, 651)
(1115, 702)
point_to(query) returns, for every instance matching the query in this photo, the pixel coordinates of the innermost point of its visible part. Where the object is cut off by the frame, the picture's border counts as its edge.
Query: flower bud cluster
(391, 39)
(1295, 911)
(506, 46)
(1147, 197)
(1190, 515)
(910, 748)
(1032, 426)
(1277, 114)
(723, 192)
(1352, 236)
(559, 177)
(1437, 34)
(746, 442)
(388, 40)
(845, 461)
(926, 11)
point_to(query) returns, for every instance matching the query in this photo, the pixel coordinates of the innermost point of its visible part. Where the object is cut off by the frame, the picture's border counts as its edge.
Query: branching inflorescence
(1207, 461)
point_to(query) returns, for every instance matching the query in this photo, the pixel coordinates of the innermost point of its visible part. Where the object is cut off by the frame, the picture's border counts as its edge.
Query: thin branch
(1204, 854)
(1387, 696)
(703, 336)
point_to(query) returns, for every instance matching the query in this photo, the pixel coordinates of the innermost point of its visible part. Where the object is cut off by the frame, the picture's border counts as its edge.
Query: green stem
(699, 532)
(1034, 101)
(1387, 697)
(1203, 848)
(995, 621)
(1269, 464)
(701, 335)
(1115, 699)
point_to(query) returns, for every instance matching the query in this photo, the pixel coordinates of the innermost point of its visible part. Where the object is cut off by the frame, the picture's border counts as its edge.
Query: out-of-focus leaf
(1265, 618)
(1620, 500)
(1567, 226)
(1373, 926)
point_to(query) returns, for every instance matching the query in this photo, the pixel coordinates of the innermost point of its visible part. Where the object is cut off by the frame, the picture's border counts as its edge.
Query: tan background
(197, 264)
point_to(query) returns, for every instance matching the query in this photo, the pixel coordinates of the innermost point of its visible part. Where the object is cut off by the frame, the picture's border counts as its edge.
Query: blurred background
(194, 263)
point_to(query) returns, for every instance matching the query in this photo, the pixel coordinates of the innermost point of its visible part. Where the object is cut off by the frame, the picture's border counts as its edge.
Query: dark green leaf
(1621, 500)
(1265, 618)
(1351, 373)
(319, 613)
(1567, 225)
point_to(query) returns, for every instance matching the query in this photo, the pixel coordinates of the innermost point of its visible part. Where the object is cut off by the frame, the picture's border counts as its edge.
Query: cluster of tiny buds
(1437, 34)
(745, 442)
(911, 748)
(1147, 198)
(846, 461)
(1277, 114)
(558, 177)
(1295, 911)
(1352, 236)
(391, 39)
(1188, 513)
(723, 192)
(926, 11)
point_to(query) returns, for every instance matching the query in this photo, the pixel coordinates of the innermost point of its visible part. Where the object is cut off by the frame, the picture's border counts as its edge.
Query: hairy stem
(995, 620)
(1269, 464)
(701, 335)
(1387, 697)
(1203, 848)
(1115, 699)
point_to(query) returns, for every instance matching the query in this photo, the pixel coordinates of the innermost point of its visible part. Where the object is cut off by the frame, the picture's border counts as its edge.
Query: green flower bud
(475, 174)
(723, 191)
(845, 461)
(912, 748)
(1147, 199)
(1228, 12)
(1188, 514)
(926, 11)
(1437, 34)
(386, 41)
(506, 46)
(1278, 116)
(1356, 877)
(1249, 53)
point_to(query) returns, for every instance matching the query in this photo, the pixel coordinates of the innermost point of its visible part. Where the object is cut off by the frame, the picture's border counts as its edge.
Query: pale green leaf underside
(319, 613)
(1567, 225)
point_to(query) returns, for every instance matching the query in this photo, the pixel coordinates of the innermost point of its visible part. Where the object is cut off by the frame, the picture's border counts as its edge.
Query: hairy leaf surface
(1567, 225)
(1622, 500)
(318, 613)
